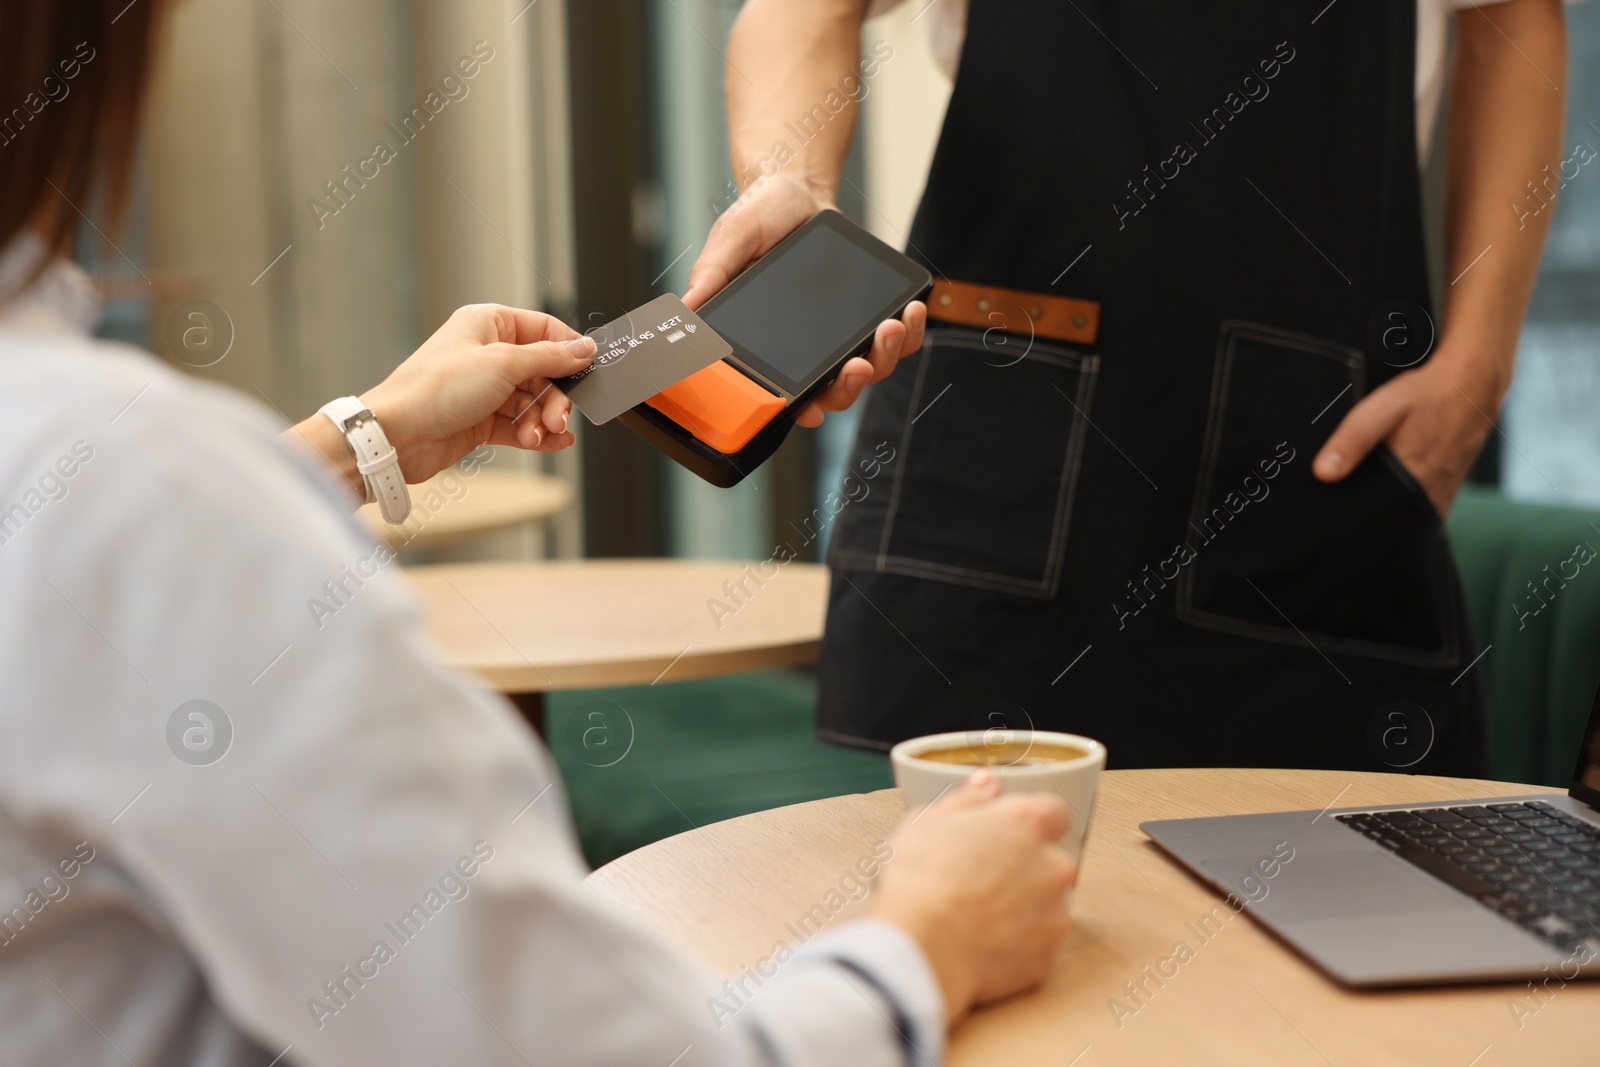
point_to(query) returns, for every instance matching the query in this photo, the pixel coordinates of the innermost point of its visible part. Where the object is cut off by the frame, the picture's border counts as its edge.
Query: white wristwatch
(376, 459)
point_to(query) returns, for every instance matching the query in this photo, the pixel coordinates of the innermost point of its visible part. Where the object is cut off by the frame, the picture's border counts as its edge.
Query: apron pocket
(988, 456)
(1360, 566)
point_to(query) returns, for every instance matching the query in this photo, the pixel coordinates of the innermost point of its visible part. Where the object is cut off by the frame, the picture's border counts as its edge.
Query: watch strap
(376, 459)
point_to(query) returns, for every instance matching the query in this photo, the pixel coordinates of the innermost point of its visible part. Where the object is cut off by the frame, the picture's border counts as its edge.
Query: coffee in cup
(1013, 753)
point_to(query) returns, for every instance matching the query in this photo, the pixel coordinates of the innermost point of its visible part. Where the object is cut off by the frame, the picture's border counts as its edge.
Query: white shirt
(158, 546)
(947, 29)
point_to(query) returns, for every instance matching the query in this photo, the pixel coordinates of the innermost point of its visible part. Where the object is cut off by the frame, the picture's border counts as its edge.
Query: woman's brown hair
(72, 85)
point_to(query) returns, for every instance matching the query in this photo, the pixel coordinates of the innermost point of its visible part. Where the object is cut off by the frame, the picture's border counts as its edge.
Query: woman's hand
(769, 211)
(482, 378)
(978, 880)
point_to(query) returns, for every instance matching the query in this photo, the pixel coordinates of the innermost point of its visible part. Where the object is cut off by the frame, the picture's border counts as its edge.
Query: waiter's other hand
(978, 880)
(1434, 419)
(770, 210)
(482, 378)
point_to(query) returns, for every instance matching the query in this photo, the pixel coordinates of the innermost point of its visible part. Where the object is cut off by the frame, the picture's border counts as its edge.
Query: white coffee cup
(1075, 781)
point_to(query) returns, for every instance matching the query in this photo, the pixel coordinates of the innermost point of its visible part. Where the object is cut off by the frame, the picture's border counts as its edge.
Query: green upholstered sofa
(642, 763)
(1542, 629)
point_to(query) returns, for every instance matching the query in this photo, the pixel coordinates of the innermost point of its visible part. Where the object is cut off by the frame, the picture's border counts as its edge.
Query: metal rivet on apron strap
(945, 299)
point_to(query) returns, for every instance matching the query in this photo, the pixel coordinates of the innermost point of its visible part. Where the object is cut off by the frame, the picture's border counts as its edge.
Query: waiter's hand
(769, 211)
(1434, 419)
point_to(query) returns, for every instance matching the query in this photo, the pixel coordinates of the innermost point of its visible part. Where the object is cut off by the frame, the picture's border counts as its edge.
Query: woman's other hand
(979, 881)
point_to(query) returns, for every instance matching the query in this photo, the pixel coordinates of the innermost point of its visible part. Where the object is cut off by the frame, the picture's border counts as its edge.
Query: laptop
(1414, 894)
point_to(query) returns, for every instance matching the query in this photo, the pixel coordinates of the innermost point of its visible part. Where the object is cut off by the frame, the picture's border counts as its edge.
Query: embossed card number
(638, 355)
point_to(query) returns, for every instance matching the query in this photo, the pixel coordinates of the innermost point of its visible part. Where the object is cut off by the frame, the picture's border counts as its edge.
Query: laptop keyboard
(1532, 863)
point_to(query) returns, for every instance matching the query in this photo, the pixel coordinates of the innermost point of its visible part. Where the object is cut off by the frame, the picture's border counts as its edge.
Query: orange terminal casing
(719, 405)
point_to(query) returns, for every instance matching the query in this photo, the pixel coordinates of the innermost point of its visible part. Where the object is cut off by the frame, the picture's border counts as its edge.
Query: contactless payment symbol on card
(638, 355)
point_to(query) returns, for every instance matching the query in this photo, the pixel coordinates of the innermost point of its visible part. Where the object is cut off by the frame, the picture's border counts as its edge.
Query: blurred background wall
(577, 169)
(338, 178)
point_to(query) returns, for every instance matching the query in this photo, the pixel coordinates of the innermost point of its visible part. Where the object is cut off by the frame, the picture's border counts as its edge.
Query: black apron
(1125, 540)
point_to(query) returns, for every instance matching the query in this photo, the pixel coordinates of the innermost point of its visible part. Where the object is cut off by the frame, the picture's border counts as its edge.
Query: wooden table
(532, 628)
(489, 502)
(1243, 999)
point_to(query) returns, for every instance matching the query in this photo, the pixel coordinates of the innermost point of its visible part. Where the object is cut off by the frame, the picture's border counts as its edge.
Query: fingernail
(980, 776)
(1330, 463)
(538, 436)
(565, 415)
(897, 344)
(583, 346)
(854, 382)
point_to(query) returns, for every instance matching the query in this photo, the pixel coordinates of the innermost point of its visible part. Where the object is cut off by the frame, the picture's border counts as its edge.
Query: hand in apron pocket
(1359, 566)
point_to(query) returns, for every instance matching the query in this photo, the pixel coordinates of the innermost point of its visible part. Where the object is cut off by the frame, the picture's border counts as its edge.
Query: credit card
(636, 356)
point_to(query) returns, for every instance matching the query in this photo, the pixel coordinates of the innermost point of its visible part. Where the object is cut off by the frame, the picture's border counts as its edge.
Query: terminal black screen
(812, 300)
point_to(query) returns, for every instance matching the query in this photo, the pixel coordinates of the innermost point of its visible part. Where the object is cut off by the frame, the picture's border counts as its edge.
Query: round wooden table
(489, 502)
(531, 628)
(1244, 997)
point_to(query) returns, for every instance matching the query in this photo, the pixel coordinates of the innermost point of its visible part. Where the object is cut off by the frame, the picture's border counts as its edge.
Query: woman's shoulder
(50, 376)
(149, 446)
